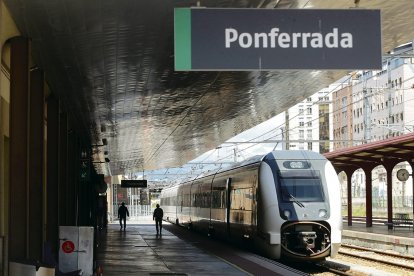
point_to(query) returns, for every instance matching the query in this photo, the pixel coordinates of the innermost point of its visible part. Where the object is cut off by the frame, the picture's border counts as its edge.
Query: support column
(389, 197)
(73, 177)
(349, 192)
(389, 165)
(348, 171)
(368, 195)
(63, 170)
(19, 98)
(411, 162)
(36, 164)
(52, 182)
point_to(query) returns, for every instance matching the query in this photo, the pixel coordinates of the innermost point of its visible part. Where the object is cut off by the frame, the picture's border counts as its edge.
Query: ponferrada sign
(275, 39)
(264, 39)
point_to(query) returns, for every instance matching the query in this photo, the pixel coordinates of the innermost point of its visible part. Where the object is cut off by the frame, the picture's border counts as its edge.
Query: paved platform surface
(139, 251)
(400, 240)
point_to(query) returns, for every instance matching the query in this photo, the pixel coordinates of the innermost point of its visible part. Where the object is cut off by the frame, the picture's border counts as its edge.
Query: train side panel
(268, 219)
(200, 205)
(169, 204)
(184, 207)
(233, 205)
(219, 207)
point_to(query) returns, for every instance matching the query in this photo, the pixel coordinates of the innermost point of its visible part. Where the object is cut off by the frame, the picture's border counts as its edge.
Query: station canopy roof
(111, 63)
(390, 151)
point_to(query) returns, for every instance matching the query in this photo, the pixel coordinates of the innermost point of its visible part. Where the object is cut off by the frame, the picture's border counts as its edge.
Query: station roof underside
(111, 64)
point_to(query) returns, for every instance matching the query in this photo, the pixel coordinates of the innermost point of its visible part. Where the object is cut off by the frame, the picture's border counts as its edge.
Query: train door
(240, 222)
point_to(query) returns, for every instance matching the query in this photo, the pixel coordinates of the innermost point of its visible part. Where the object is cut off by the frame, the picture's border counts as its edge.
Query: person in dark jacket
(157, 216)
(122, 214)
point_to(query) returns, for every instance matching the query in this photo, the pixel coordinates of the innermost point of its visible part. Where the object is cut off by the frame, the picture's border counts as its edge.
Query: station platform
(139, 251)
(378, 236)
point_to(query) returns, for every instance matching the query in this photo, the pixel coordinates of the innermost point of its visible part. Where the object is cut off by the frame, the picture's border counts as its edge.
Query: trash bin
(21, 269)
(30, 269)
(45, 271)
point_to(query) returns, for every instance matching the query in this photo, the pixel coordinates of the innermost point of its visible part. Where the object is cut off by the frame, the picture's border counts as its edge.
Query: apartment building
(377, 105)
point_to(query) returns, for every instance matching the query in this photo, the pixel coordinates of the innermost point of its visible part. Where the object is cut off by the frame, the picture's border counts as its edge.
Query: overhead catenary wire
(315, 119)
(339, 84)
(184, 117)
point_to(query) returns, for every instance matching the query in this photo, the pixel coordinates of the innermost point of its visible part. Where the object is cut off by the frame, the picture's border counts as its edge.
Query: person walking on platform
(122, 214)
(157, 216)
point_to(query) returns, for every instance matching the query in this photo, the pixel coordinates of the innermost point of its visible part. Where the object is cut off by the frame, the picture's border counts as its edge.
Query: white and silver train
(287, 203)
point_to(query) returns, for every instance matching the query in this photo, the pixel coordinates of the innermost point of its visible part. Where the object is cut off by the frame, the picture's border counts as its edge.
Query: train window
(242, 199)
(218, 199)
(300, 185)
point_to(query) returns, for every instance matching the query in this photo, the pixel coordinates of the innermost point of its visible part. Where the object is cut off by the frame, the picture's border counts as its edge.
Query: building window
(309, 134)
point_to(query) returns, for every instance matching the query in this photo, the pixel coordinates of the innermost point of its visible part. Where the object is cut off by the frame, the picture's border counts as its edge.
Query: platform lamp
(104, 143)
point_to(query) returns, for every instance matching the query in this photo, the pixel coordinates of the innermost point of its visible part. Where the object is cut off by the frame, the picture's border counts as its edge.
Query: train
(286, 203)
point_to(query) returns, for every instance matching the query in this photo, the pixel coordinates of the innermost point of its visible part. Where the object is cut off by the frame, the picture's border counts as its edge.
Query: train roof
(274, 155)
(294, 155)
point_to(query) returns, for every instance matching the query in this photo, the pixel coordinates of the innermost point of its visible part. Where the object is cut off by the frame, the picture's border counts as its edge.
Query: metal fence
(139, 210)
(134, 211)
(397, 201)
(400, 204)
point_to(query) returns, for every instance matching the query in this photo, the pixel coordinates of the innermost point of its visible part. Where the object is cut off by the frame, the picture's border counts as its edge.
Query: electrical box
(76, 249)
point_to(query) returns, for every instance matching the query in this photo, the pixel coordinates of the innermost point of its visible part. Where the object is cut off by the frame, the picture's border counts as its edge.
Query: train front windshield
(301, 185)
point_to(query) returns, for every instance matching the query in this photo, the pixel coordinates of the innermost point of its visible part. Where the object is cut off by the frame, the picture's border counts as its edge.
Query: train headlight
(286, 213)
(323, 213)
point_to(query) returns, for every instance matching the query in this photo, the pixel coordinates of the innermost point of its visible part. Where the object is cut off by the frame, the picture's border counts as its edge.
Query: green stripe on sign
(182, 39)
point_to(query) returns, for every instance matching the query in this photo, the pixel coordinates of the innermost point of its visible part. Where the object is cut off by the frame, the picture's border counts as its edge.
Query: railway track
(360, 260)
(390, 260)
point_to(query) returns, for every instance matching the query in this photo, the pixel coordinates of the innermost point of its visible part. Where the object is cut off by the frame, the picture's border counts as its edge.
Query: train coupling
(307, 240)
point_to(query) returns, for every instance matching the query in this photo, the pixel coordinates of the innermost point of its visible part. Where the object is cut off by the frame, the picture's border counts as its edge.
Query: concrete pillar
(36, 164)
(52, 181)
(19, 98)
